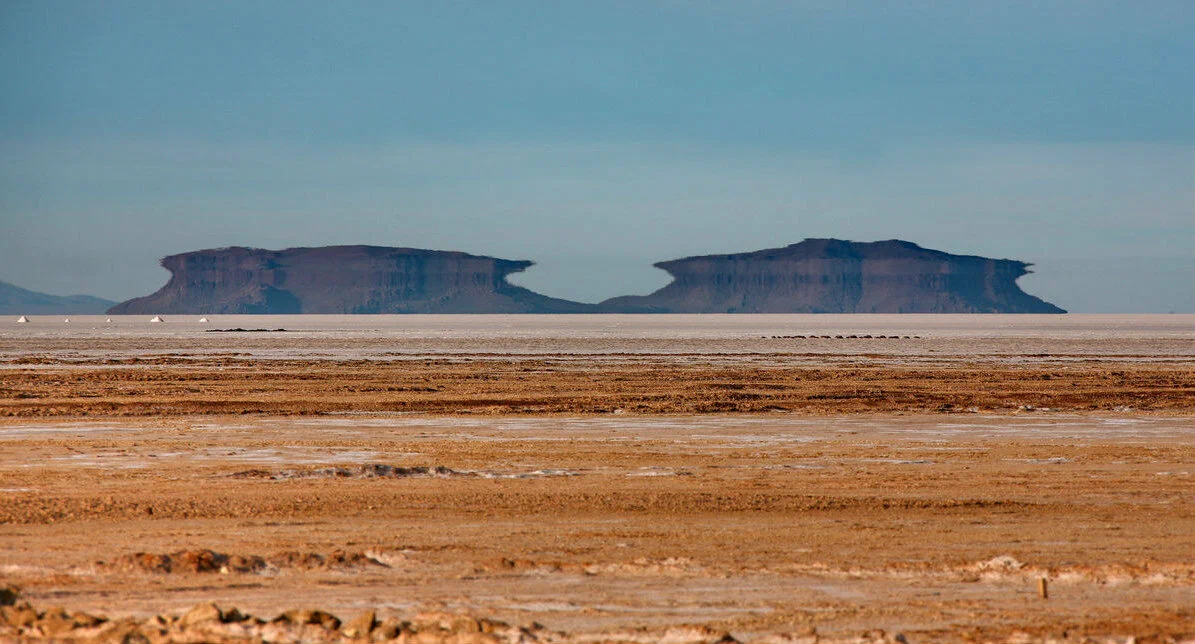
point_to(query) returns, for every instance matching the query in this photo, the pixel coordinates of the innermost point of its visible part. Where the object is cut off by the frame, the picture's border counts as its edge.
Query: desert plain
(599, 478)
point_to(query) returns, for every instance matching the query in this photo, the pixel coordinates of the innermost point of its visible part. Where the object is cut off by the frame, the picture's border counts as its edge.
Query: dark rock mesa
(813, 276)
(341, 279)
(15, 300)
(836, 276)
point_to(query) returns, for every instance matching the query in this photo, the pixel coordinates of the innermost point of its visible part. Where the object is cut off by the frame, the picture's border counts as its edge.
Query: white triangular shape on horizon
(67, 321)
(156, 319)
(108, 320)
(203, 319)
(22, 320)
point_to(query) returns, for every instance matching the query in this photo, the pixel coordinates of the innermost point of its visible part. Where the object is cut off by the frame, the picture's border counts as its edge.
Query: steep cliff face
(836, 276)
(341, 279)
(814, 276)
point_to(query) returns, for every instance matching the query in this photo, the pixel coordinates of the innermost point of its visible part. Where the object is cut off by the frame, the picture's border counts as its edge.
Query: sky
(597, 138)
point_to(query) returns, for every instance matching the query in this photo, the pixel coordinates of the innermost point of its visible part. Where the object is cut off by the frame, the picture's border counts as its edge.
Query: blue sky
(599, 137)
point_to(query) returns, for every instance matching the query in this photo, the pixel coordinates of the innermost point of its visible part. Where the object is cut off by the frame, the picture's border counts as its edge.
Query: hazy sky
(599, 137)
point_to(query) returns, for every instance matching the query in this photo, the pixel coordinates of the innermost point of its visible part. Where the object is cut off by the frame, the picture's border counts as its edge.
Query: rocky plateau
(813, 276)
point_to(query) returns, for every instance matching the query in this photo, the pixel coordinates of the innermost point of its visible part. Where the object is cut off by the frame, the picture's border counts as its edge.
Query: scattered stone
(389, 628)
(366, 471)
(241, 330)
(126, 631)
(208, 561)
(198, 560)
(84, 620)
(233, 615)
(1002, 563)
(305, 560)
(306, 616)
(361, 626)
(209, 623)
(159, 623)
(54, 622)
(146, 561)
(201, 614)
(311, 560)
(18, 615)
(8, 595)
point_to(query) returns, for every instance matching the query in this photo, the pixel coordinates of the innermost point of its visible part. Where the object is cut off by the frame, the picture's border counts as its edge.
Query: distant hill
(813, 276)
(342, 279)
(15, 300)
(839, 276)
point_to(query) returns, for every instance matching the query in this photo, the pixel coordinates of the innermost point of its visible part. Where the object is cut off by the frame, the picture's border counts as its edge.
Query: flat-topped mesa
(341, 279)
(837, 276)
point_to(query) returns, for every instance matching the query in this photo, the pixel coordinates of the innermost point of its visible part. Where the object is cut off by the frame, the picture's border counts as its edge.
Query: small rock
(310, 616)
(125, 632)
(19, 615)
(389, 629)
(201, 614)
(235, 632)
(83, 620)
(465, 624)
(54, 622)
(298, 560)
(8, 595)
(489, 626)
(242, 563)
(361, 626)
(147, 562)
(159, 622)
(199, 560)
(234, 615)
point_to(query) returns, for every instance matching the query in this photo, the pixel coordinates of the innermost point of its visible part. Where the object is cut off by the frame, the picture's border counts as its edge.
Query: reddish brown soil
(167, 386)
(607, 497)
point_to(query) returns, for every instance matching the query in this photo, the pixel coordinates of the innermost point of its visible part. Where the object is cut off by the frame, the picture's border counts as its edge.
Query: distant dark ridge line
(841, 337)
(240, 330)
(15, 300)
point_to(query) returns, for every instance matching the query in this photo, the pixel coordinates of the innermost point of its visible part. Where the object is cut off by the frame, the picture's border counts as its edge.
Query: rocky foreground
(210, 622)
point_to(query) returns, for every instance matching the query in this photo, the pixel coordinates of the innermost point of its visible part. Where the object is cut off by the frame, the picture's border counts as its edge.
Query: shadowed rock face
(836, 276)
(814, 276)
(341, 279)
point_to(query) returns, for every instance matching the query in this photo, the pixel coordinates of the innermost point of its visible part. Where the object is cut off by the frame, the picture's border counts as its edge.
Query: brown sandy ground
(760, 527)
(173, 385)
(527, 489)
